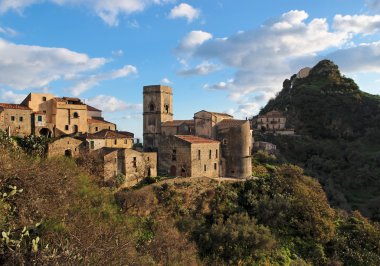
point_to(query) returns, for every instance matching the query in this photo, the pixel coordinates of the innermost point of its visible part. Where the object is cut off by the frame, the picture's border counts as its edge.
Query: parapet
(157, 88)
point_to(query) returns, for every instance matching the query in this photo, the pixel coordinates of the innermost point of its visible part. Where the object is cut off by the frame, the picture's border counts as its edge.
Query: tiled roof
(126, 133)
(195, 139)
(14, 106)
(98, 121)
(231, 123)
(216, 113)
(91, 108)
(39, 113)
(108, 134)
(276, 114)
(176, 123)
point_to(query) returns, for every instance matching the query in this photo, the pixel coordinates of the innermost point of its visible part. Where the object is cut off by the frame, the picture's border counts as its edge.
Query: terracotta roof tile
(176, 123)
(14, 106)
(109, 134)
(98, 121)
(91, 108)
(231, 123)
(276, 114)
(195, 139)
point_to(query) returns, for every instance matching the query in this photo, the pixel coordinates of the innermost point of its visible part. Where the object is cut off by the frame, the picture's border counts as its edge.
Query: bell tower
(158, 108)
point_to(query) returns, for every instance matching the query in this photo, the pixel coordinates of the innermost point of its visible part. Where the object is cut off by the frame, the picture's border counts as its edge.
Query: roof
(97, 121)
(216, 113)
(176, 123)
(14, 106)
(91, 108)
(231, 123)
(273, 114)
(195, 139)
(39, 113)
(109, 134)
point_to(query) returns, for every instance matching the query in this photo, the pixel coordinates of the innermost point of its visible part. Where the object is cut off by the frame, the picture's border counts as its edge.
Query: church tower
(158, 108)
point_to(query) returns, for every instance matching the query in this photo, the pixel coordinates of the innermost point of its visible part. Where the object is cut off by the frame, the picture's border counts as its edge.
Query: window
(215, 166)
(92, 145)
(151, 107)
(225, 141)
(12, 118)
(75, 115)
(21, 119)
(115, 141)
(109, 128)
(67, 127)
(205, 168)
(174, 155)
(148, 159)
(126, 141)
(199, 154)
(39, 118)
(210, 154)
(96, 129)
(166, 108)
(134, 162)
(216, 154)
(44, 99)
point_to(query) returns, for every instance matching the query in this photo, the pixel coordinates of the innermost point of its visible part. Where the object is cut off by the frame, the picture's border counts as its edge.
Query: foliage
(34, 145)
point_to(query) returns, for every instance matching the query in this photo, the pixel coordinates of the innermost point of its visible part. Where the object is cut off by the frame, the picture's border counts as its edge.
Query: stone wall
(66, 146)
(18, 121)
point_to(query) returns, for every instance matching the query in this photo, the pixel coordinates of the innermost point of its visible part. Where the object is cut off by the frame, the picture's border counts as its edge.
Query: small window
(166, 108)
(215, 166)
(216, 154)
(44, 99)
(148, 159)
(205, 168)
(12, 118)
(199, 154)
(225, 141)
(134, 162)
(75, 115)
(96, 129)
(21, 119)
(210, 154)
(126, 141)
(92, 145)
(151, 107)
(109, 128)
(115, 141)
(67, 127)
(39, 118)
(174, 155)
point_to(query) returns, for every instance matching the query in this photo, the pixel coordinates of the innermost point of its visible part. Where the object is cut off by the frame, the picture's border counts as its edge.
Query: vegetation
(339, 143)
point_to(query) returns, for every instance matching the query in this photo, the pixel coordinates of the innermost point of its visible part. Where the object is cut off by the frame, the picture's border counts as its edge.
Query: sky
(224, 55)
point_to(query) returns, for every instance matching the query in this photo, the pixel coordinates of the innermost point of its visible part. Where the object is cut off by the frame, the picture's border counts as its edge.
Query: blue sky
(225, 56)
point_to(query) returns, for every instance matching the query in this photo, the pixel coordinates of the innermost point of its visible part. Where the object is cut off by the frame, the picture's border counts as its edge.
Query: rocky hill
(340, 135)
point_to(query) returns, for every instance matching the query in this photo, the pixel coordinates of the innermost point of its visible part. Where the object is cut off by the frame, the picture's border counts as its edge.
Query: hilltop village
(210, 144)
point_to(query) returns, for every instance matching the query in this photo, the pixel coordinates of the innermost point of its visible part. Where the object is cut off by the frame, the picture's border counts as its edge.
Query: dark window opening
(39, 118)
(96, 129)
(44, 99)
(12, 118)
(205, 168)
(115, 141)
(134, 162)
(92, 145)
(68, 153)
(166, 108)
(174, 155)
(151, 107)
(21, 119)
(75, 115)
(199, 154)
(216, 154)
(67, 127)
(75, 128)
(215, 166)
(210, 154)
(126, 141)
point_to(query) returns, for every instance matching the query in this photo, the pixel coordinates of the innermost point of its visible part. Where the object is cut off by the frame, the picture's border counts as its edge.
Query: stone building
(157, 110)
(65, 146)
(16, 119)
(188, 155)
(264, 146)
(273, 120)
(134, 165)
(108, 139)
(183, 139)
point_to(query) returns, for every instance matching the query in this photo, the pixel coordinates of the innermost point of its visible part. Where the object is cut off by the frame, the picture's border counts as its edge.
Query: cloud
(373, 4)
(220, 85)
(204, 68)
(264, 56)
(359, 24)
(108, 10)
(11, 97)
(25, 67)
(184, 10)
(112, 104)
(166, 81)
(118, 53)
(94, 80)
(8, 31)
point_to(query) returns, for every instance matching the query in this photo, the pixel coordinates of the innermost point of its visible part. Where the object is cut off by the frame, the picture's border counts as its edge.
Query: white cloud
(11, 97)
(112, 104)
(204, 68)
(360, 24)
(94, 80)
(108, 10)
(166, 81)
(263, 57)
(8, 31)
(184, 10)
(25, 67)
(192, 40)
(118, 53)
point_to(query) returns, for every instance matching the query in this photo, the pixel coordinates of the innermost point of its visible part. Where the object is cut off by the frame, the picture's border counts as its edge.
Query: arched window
(151, 107)
(75, 115)
(44, 99)
(166, 108)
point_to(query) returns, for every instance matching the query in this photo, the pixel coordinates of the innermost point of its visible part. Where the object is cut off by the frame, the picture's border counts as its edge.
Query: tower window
(75, 115)
(12, 118)
(166, 108)
(216, 154)
(44, 99)
(21, 118)
(151, 107)
(205, 168)
(209, 155)
(174, 155)
(199, 154)
(215, 166)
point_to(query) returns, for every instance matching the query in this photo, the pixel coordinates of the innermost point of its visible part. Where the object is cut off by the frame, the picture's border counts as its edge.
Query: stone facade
(186, 156)
(264, 146)
(16, 119)
(98, 124)
(205, 123)
(178, 127)
(66, 146)
(108, 139)
(272, 121)
(158, 108)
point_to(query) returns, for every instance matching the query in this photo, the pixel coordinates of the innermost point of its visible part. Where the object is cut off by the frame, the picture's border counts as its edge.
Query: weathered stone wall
(18, 121)
(208, 164)
(65, 146)
(203, 124)
(96, 127)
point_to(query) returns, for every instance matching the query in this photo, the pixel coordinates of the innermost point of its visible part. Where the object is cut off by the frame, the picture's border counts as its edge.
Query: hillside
(339, 144)
(52, 212)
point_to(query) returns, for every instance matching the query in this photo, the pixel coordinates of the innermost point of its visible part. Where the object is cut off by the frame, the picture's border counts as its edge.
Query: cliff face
(340, 135)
